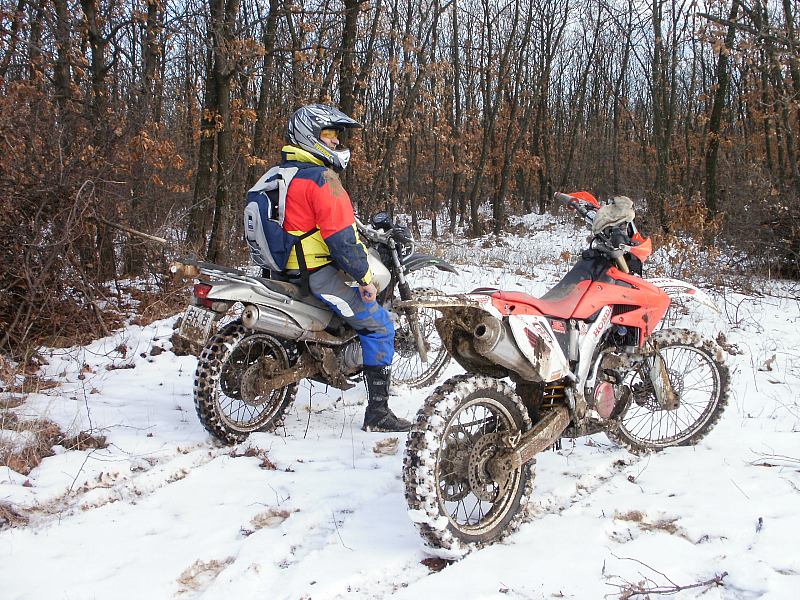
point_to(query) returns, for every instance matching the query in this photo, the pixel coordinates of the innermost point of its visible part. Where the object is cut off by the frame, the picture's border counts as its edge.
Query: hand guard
(619, 211)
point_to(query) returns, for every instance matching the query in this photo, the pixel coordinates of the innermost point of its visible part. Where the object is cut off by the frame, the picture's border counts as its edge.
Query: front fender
(675, 288)
(418, 260)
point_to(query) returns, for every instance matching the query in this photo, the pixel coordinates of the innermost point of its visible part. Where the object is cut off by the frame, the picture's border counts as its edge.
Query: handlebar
(387, 237)
(576, 205)
(614, 245)
(371, 233)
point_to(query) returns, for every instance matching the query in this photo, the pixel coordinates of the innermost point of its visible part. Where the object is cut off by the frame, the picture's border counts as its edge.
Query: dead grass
(84, 441)
(265, 463)
(44, 434)
(7, 403)
(272, 517)
(9, 517)
(33, 384)
(201, 574)
(636, 516)
(159, 304)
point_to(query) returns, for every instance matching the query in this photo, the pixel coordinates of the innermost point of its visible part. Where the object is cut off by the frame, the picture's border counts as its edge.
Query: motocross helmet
(304, 130)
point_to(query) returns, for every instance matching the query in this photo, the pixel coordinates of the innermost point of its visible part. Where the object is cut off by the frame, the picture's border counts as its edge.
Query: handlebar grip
(573, 203)
(564, 198)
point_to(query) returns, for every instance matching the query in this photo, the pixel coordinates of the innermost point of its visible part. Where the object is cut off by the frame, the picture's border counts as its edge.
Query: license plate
(196, 324)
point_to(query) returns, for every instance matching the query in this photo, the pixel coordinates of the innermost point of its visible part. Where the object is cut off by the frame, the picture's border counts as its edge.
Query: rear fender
(307, 316)
(444, 303)
(677, 289)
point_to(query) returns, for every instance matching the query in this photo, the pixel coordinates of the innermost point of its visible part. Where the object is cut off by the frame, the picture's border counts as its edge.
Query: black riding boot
(378, 416)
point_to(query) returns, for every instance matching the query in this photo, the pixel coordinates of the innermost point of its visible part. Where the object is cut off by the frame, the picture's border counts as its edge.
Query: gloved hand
(368, 292)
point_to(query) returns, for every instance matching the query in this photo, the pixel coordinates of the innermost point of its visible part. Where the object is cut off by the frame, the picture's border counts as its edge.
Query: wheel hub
(481, 482)
(644, 395)
(455, 455)
(404, 342)
(251, 390)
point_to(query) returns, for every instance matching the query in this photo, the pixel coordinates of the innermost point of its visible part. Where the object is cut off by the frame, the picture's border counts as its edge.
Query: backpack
(270, 245)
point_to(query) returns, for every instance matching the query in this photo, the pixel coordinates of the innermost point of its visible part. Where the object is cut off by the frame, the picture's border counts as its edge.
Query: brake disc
(250, 388)
(481, 482)
(456, 456)
(644, 395)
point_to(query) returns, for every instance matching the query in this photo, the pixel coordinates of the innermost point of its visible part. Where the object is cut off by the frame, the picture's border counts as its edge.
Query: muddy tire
(454, 502)
(227, 396)
(407, 366)
(698, 373)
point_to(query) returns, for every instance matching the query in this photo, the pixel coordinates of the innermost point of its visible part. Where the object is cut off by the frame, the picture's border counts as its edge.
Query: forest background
(157, 115)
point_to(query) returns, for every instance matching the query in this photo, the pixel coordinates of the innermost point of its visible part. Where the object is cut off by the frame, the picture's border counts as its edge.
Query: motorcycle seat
(560, 305)
(293, 291)
(282, 287)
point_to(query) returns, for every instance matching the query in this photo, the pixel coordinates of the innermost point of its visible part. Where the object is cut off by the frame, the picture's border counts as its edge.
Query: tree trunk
(196, 228)
(260, 145)
(134, 250)
(11, 48)
(63, 37)
(224, 71)
(715, 120)
(457, 119)
(347, 69)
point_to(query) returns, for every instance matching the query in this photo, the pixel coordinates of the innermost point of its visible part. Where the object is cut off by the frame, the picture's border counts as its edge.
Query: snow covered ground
(316, 510)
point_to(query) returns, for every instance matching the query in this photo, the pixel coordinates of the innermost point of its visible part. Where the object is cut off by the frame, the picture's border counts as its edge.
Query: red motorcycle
(586, 357)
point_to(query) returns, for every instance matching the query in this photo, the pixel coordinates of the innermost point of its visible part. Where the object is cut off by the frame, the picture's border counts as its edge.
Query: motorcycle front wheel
(697, 371)
(228, 396)
(407, 366)
(453, 499)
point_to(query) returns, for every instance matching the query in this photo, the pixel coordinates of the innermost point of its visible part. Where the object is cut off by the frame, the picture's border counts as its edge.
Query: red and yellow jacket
(316, 199)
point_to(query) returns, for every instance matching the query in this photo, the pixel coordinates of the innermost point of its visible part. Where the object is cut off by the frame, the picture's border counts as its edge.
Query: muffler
(270, 321)
(493, 341)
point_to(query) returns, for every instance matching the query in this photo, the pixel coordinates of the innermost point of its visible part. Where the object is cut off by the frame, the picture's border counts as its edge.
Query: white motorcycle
(248, 371)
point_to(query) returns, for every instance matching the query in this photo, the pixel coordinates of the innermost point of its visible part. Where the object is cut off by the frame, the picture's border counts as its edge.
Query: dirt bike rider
(334, 255)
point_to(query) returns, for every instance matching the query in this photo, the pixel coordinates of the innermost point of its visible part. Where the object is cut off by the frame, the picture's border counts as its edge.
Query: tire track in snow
(136, 480)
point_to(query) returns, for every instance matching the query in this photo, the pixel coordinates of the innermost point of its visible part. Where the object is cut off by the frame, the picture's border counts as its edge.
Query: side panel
(648, 303)
(310, 318)
(538, 344)
(588, 338)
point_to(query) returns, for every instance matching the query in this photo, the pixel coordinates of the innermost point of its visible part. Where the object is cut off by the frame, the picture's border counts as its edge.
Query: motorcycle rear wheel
(227, 397)
(407, 366)
(454, 501)
(698, 374)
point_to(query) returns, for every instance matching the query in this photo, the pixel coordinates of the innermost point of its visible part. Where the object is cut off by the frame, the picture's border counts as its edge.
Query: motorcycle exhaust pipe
(270, 321)
(493, 341)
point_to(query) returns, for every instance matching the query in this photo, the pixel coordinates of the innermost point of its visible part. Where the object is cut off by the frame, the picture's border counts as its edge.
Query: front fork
(662, 386)
(405, 294)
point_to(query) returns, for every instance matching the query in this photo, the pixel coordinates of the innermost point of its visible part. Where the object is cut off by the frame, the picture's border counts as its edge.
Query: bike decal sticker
(601, 324)
(538, 344)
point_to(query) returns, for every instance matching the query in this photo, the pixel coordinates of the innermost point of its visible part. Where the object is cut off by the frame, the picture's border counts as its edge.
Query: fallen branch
(631, 590)
(130, 230)
(775, 460)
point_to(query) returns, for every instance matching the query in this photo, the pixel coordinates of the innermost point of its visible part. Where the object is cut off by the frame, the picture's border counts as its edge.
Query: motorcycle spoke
(691, 373)
(469, 426)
